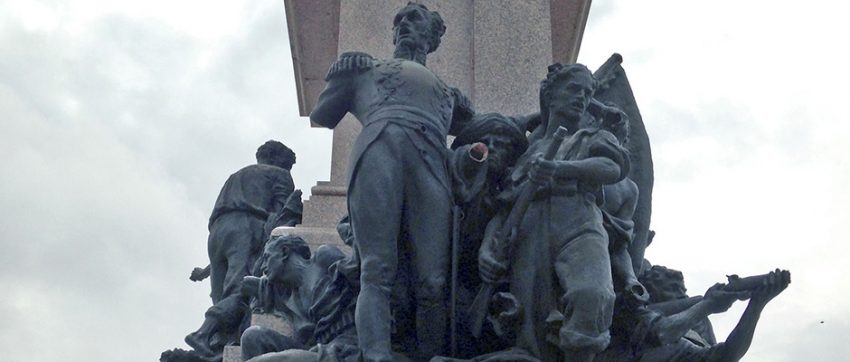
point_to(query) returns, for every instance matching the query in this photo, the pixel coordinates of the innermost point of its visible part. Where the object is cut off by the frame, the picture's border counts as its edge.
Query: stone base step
(272, 322)
(232, 354)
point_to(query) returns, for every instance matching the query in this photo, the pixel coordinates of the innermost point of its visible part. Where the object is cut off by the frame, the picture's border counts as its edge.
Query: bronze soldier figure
(399, 191)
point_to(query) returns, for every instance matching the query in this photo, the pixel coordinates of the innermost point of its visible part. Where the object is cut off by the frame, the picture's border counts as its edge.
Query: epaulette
(349, 62)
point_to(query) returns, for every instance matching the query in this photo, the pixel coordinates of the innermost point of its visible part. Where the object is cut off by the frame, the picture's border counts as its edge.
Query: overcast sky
(120, 120)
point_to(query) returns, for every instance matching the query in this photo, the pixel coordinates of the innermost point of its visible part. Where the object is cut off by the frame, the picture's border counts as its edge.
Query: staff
(504, 238)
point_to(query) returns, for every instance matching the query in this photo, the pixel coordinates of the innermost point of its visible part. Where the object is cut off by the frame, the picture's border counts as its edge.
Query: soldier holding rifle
(559, 269)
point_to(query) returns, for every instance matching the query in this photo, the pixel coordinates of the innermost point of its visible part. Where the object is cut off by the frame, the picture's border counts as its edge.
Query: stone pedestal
(322, 211)
(495, 51)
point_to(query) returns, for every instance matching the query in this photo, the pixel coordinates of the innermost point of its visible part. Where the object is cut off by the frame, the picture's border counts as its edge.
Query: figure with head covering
(483, 155)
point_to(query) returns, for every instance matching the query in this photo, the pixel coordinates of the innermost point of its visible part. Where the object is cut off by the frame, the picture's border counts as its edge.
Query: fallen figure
(644, 333)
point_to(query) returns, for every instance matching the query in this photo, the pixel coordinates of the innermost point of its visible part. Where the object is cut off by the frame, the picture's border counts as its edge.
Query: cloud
(93, 232)
(744, 114)
(119, 129)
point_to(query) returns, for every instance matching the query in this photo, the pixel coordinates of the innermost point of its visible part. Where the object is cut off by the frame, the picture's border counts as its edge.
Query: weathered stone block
(232, 354)
(326, 206)
(272, 322)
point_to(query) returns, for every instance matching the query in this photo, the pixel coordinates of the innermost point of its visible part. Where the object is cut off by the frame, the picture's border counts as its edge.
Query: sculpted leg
(257, 341)
(218, 265)
(292, 355)
(375, 203)
(584, 272)
(428, 221)
(200, 339)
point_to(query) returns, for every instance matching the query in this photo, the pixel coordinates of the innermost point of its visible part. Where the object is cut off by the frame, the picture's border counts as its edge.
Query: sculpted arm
(674, 306)
(336, 99)
(669, 329)
(199, 274)
(468, 167)
(598, 170)
(607, 163)
(738, 342)
(462, 113)
(281, 189)
(333, 104)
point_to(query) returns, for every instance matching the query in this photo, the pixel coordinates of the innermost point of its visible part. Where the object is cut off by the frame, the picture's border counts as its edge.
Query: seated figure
(317, 299)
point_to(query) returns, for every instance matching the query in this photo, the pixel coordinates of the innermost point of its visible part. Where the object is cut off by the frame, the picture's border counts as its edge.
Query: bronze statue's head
(663, 284)
(276, 154)
(614, 120)
(504, 139)
(277, 255)
(418, 28)
(565, 94)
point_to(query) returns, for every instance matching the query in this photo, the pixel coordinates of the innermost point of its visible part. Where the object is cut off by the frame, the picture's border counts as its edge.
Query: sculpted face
(500, 149)
(570, 96)
(671, 290)
(664, 285)
(276, 266)
(412, 28)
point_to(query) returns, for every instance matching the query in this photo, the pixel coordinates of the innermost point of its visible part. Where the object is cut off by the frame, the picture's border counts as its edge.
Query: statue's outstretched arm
(716, 300)
(739, 340)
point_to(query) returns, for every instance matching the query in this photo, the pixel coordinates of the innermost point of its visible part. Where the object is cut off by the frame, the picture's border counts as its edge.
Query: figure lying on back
(642, 333)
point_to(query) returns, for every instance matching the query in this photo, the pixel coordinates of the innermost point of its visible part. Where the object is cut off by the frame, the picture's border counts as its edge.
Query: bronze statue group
(522, 241)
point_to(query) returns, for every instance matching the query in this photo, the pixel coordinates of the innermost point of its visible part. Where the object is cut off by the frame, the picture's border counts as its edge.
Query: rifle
(748, 284)
(505, 237)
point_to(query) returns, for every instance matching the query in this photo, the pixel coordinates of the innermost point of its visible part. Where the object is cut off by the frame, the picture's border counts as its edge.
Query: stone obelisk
(495, 51)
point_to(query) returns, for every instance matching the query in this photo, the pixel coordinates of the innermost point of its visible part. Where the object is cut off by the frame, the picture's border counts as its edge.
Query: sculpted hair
(438, 27)
(288, 244)
(559, 73)
(660, 280)
(616, 121)
(275, 152)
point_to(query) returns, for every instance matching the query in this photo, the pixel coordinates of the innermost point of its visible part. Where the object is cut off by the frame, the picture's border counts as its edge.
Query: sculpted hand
(636, 292)
(199, 274)
(250, 286)
(463, 110)
(490, 268)
(542, 172)
(775, 283)
(479, 152)
(721, 300)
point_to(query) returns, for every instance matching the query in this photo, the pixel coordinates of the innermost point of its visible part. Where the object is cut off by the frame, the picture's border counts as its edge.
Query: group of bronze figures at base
(513, 244)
